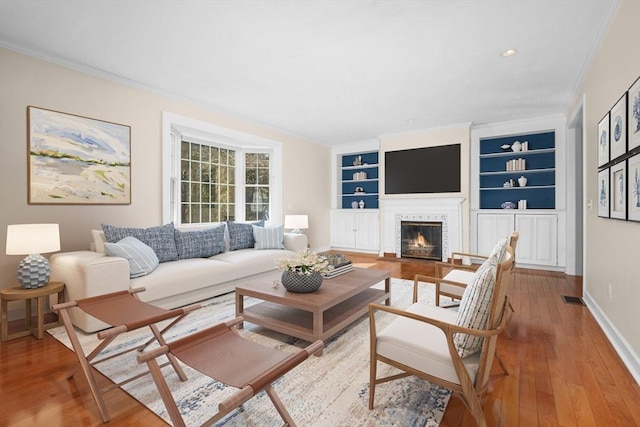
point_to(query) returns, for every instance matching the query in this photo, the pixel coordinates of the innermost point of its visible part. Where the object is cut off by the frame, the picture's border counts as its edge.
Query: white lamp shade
(26, 239)
(298, 222)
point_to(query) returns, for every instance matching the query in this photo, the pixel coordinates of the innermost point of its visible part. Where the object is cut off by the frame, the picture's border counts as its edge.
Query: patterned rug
(331, 390)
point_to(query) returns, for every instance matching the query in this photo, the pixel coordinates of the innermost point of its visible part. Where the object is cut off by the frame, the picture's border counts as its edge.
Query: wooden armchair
(433, 342)
(220, 352)
(453, 278)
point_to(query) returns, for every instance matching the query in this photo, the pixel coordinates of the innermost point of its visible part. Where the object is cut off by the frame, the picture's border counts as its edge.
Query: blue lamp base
(34, 272)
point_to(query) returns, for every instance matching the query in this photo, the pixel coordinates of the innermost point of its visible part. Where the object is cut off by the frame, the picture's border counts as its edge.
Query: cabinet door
(368, 230)
(491, 228)
(343, 229)
(538, 242)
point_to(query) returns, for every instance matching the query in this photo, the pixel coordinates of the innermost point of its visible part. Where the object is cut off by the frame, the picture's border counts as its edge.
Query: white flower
(306, 262)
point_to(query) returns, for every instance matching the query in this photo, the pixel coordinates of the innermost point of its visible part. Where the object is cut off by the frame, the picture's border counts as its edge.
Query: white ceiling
(329, 71)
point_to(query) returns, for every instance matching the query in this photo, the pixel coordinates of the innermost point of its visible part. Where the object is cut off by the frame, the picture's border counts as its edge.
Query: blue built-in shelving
(349, 181)
(539, 169)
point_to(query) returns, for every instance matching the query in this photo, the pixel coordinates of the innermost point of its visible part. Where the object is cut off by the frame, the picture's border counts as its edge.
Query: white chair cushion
(474, 307)
(423, 346)
(460, 276)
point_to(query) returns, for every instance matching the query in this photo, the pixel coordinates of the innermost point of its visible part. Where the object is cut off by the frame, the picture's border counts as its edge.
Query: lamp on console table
(296, 223)
(32, 240)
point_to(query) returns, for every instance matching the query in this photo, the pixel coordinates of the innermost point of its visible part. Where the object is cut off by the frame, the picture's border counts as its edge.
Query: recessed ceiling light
(509, 52)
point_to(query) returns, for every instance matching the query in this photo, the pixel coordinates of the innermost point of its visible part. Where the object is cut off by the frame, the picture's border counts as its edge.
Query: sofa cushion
(268, 237)
(160, 238)
(200, 244)
(141, 258)
(474, 307)
(241, 234)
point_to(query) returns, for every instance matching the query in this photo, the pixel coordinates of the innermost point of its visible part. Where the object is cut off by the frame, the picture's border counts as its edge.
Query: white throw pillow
(474, 307)
(500, 250)
(142, 258)
(269, 237)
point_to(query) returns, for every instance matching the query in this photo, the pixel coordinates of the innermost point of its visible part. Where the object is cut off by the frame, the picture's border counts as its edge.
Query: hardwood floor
(563, 370)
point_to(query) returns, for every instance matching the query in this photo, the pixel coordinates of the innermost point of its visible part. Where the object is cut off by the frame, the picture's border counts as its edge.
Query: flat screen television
(423, 170)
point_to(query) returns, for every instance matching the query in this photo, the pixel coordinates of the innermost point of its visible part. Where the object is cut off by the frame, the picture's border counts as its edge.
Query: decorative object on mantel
(32, 240)
(302, 273)
(522, 181)
(77, 160)
(508, 205)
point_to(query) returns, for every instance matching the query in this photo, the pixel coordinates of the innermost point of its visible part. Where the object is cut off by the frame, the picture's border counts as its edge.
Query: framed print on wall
(603, 140)
(618, 132)
(634, 115)
(618, 191)
(603, 193)
(76, 160)
(633, 187)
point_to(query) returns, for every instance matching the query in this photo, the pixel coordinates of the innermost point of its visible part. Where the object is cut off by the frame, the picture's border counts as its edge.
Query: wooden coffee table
(317, 315)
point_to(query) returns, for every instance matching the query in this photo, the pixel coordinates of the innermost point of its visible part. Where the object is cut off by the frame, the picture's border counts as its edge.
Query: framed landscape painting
(603, 141)
(603, 193)
(634, 115)
(618, 191)
(633, 188)
(618, 132)
(77, 160)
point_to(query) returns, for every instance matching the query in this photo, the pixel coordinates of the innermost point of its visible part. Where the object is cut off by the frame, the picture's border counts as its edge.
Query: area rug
(331, 390)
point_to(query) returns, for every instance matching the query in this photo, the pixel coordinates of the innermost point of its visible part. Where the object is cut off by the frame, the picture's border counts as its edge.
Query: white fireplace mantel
(447, 210)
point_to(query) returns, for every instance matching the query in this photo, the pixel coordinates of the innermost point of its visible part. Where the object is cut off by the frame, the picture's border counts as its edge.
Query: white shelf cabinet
(538, 242)
(355, 229)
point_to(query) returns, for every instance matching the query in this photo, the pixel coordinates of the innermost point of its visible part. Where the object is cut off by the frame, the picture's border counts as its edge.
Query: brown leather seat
(125, 312)
(221, 353)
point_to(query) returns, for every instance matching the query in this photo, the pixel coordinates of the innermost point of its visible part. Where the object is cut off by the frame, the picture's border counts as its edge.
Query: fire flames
(420, 242)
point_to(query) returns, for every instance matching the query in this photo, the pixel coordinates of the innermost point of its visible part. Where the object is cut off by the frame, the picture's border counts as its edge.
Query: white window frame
(176, 127)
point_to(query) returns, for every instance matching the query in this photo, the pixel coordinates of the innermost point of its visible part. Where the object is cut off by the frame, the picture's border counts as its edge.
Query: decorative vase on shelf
(354, 204)
(516, 146)
(361, 204)
(301, 283)
(522, 181)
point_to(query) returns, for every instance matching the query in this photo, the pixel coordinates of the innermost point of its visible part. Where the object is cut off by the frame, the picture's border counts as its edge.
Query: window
(256, 186)
(207, 183)
(213, 174)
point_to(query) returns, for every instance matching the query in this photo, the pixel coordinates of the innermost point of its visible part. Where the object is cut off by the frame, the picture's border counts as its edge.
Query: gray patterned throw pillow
(241, 234)
(160, 238)
(200, 244)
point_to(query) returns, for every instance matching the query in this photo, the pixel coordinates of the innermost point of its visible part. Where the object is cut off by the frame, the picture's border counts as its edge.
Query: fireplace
(421, 239)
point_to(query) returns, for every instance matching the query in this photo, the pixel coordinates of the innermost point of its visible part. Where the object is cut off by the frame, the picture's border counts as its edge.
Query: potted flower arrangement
(302, 273)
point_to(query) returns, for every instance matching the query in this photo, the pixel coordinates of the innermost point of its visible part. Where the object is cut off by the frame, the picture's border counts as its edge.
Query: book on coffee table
(339, 263)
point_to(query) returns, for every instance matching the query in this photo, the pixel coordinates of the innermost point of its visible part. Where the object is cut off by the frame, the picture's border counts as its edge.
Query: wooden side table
(27, 295)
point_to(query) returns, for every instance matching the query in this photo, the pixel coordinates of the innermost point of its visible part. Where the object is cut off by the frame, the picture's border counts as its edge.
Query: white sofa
(172, 284)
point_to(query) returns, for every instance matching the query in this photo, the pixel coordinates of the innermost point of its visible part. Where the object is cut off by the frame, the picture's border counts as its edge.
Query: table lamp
(296, 223)
(31, 240)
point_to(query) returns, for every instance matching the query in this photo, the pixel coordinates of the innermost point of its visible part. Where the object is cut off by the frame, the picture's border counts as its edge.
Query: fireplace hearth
(421, 239)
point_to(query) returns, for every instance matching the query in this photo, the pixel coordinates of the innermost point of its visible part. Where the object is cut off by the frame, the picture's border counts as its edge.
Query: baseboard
(622, 347)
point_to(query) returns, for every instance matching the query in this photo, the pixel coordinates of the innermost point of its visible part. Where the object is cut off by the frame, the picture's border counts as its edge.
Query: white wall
(612, 247)
(28, 81)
